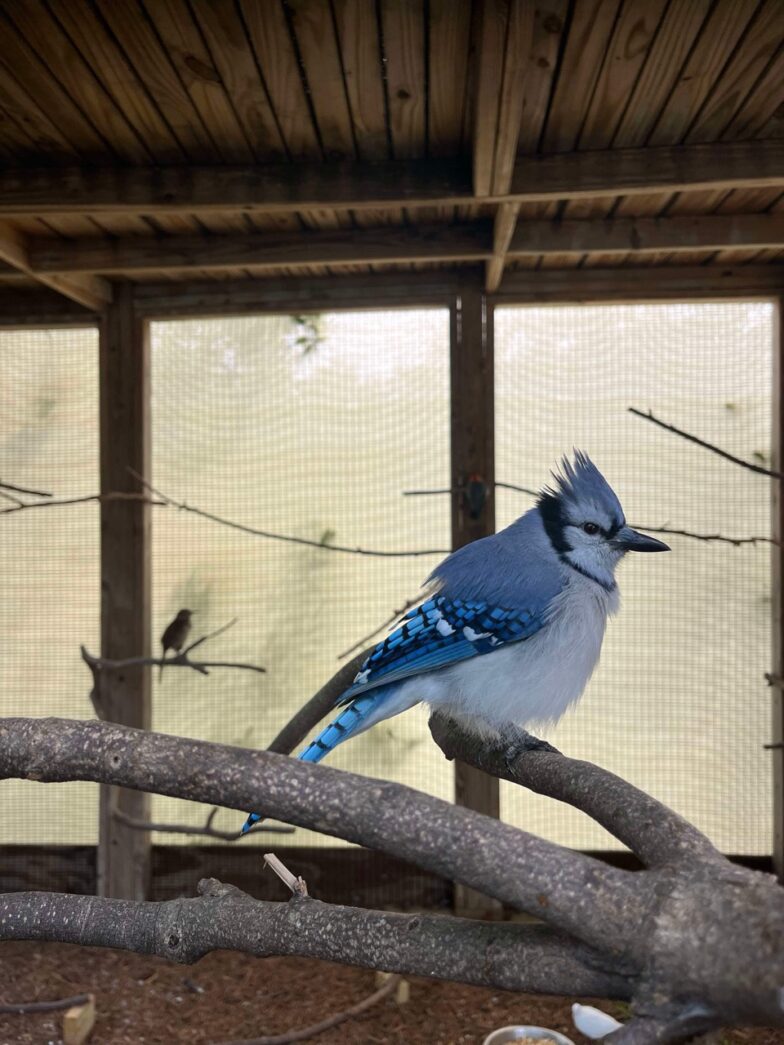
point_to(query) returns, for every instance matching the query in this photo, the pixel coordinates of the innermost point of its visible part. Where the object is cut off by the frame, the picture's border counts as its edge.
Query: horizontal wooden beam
(660, 283)
(260, 251)
(300, 294)
(40, 307)
(90, 291)
(406, 183)
(476, 241)
(641, 235)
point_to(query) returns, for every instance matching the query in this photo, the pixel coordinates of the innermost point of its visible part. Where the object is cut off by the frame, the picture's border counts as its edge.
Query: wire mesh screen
(308, 427)
(678, 705)
(50, 562)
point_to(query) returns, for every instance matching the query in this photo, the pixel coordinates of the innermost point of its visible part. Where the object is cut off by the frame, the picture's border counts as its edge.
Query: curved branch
(654, 833)
(511, 957)
(600, 905)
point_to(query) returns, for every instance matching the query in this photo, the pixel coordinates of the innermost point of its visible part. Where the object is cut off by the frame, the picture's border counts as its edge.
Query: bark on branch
(654, 833)
(598, 904)
(511, 957)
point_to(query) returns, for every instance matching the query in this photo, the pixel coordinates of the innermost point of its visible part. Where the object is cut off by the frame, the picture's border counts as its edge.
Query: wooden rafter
(51, 259)
(91, 291)
(289, 188)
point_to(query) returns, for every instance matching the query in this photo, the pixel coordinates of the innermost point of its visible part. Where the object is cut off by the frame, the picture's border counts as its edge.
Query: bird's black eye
(590, 527)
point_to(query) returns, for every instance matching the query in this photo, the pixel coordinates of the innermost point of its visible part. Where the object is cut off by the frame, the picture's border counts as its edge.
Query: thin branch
(344, 549)
(97, 497)
(10, 497)
(205, 831)
(656, 834)
(460, 489)
(396, 614)
(26, 1007)
(510, 957)
(600, 905)
(721, 538)
(211, 635)
(294, 882)
(758, 468)
(179, 660)
(387, 988)
(24, 490)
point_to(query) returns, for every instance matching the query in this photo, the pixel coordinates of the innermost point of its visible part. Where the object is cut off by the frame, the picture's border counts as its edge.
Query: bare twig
(97, 497)
(211, 635)
(205, 831)
(382, 627)
(183, 507)
(707, 537)
(295, 883)
(387, 988)
(180, 660)
(10, 497)
(460, 489)
(24, 490)
(26, 1007)
(758, 468)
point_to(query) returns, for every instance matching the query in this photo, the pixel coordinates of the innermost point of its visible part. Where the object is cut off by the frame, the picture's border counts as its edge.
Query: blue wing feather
(440, 632)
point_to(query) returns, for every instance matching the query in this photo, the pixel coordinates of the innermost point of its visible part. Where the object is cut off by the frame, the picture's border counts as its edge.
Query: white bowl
(505, 1034)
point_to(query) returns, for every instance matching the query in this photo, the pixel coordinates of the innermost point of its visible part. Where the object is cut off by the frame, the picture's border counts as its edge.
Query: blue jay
(514, 624)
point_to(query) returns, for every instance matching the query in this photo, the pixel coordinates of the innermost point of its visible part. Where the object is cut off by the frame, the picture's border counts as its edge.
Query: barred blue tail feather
(356, 717)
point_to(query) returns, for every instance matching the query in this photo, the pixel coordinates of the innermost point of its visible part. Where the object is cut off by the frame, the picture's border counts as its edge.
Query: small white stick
(297, 885)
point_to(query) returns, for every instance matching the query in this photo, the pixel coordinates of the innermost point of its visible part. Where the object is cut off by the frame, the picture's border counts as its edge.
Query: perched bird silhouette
(175, 635)
(514, 625)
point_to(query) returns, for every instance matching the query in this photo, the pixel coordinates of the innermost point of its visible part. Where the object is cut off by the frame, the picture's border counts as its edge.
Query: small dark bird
(175, 635)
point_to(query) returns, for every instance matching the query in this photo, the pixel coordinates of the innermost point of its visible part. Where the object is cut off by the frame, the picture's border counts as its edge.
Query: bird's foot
(518, 742)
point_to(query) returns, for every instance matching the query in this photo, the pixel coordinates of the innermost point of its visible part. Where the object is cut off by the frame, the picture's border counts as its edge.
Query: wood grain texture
(473, 455)
(448, 49)
(493, 21)
(92, 292)
(358, 39)
(129, 23)
(224, 32)
(586, 46)
(403, 33)
(123, 854)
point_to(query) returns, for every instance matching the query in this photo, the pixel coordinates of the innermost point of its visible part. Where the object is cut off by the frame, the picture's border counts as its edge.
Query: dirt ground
(227, 996)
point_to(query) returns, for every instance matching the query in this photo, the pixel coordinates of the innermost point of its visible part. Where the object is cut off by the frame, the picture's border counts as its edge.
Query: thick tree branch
(657, 835)
(511, 957)
(600, 905)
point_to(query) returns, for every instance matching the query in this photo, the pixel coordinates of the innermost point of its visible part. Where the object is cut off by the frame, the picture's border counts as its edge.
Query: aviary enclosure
(296, 298)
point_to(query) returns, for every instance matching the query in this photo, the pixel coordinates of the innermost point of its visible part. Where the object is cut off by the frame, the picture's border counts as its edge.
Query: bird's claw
(520, 742)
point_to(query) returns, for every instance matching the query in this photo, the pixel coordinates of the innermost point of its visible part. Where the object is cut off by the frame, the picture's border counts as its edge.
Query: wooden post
(123, 854)
(777, 579)
(473, 516)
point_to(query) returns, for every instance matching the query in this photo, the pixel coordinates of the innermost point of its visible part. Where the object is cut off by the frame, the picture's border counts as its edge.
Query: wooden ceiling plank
(586, 47)
(634, 34)
(357, 29)
(353, 186)
(258, 252)
(448, 48)
(54, 48)
(91, 291)
(224, 31)
(764, 103)
(30, 93)
(489, 62)
(747, 64)
(109, 65)
(143, 49)
(511, 102)
(314, 30)
(677, 32)
(269, 35)
(194, 64)
(559, 241)
(714, 47)
(549, 22)
(403, 29)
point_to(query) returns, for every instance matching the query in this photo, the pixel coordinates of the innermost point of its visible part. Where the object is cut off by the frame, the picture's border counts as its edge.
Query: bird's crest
(581, 483)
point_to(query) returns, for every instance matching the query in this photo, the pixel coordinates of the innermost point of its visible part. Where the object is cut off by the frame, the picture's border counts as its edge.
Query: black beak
(631, 541)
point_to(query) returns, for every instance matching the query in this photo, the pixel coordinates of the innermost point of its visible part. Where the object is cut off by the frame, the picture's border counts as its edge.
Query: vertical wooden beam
(777, 579)
(123, 854)
(473, 461)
